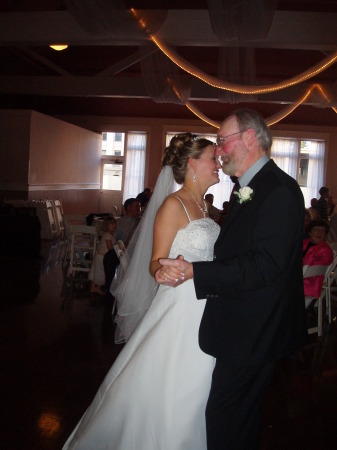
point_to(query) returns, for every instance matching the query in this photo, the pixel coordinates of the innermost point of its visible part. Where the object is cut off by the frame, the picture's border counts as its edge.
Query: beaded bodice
(196, 241)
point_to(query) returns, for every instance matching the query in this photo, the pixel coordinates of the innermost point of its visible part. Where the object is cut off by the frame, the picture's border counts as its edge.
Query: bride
(155, 394)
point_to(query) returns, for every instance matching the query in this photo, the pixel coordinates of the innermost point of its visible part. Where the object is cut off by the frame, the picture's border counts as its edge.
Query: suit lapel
(235, 208)
(233, 211)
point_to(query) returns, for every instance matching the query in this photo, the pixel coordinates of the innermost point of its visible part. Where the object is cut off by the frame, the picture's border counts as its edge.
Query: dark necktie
(236, 188)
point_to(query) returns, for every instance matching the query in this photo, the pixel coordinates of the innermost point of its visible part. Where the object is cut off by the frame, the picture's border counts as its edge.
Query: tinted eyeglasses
(221, 140)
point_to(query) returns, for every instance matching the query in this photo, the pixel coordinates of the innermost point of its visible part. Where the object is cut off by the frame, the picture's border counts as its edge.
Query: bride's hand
(176, 271)
(169, 275)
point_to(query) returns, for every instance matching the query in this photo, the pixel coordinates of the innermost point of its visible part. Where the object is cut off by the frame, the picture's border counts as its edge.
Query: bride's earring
(194, 177)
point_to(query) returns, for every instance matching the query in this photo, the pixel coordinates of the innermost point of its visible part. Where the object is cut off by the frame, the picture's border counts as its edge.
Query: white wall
(63, 154)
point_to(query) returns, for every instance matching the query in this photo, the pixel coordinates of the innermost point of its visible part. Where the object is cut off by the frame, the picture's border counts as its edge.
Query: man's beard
(232, 163)
(228, 165)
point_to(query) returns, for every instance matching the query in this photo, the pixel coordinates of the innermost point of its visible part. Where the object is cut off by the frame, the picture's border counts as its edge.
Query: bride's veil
(133, 287)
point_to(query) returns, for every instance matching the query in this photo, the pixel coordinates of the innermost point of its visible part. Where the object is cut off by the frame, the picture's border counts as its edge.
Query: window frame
(276, 133)
(111, 159)
(305, 136)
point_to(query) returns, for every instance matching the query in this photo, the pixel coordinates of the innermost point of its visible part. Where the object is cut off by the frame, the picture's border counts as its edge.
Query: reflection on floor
(57, 348)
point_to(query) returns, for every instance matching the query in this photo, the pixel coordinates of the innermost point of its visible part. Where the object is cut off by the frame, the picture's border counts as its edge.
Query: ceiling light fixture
(58, 47)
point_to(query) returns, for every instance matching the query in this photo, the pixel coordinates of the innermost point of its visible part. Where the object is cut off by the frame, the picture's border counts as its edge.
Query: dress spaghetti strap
(183, 207)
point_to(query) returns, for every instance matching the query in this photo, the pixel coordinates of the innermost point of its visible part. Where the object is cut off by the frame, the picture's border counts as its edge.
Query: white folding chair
(45, 212)
(59, 221)
(118, 211)
(331, 281)
(83, 243)
(72, 219)
(311, 271)
(68, 221)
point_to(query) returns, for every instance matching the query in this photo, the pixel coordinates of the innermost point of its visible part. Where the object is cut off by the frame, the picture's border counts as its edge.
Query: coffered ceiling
(100, 73)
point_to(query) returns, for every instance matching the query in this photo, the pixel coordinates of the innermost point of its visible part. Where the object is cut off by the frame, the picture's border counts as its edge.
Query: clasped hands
(174, 272)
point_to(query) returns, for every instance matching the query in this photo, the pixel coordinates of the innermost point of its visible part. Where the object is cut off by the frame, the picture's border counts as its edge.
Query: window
(303, 160)
(135, 164)
(113, 144)
(123, 162)
(112, 176)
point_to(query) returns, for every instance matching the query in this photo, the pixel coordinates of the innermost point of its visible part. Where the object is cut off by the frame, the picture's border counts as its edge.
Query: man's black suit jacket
(255, 309)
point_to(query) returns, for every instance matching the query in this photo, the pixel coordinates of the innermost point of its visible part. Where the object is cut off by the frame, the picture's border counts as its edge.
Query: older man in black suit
(255, 311)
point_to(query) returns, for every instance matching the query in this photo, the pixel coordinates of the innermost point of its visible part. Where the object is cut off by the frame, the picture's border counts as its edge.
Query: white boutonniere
(244, 194)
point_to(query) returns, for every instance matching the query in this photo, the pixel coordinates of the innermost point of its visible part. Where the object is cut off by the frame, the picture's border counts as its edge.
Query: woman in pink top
(316, 252)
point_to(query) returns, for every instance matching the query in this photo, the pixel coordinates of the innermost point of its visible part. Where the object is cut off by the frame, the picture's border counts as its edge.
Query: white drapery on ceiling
(162, 80)
(235, 20)
(242, 20)
(236, 65)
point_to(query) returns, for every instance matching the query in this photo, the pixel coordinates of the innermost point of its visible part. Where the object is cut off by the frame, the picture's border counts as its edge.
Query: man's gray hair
(248, 118)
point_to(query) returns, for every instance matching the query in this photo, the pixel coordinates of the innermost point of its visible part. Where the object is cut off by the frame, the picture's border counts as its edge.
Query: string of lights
(273, 119)
(238, 88)
(242, 89)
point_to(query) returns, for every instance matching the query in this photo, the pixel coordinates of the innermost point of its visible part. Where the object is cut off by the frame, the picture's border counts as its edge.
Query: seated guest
(127, 224)
(333, 227)
(106, 243)
(110, 262)
(331, 206)
(213, 212)
(316, 252)
(144, 197)
(322, 206)
(312, 209)
(307, 221)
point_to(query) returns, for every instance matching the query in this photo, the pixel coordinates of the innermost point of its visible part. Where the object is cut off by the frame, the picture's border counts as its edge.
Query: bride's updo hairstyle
(183, 147)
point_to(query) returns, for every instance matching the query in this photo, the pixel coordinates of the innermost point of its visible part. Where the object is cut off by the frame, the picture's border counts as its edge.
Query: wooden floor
(56, 349)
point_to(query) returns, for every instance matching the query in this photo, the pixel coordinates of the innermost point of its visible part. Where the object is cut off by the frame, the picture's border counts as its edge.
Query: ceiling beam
(290, 29)
(127, 62)
(130, 87)
(44, 61)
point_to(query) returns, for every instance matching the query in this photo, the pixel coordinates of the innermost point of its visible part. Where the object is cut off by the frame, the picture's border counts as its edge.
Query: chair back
(83, 229)
(83, 235)
(71, 220)
(331, 281)
(83, 245)
(333, 245)
(313, 271)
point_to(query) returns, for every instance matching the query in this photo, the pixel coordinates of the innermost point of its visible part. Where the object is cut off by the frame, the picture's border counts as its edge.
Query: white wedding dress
(155, 394)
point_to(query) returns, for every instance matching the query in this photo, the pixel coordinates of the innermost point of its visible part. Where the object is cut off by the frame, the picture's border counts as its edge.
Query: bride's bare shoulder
(172, 206)
(173, 201)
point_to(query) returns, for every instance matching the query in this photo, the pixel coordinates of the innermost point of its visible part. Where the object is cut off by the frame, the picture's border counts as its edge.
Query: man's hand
(174, 272)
